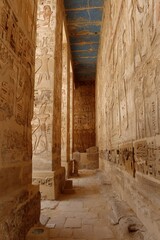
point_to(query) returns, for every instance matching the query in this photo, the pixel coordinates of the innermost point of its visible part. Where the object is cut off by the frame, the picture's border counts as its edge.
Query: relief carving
(42, 72)
(126, 157)
(151, 142)
(158, 157)
(41, 126)
(7, 89)
(141, 156)
(139, 108)
(43, 181)
(150, 102)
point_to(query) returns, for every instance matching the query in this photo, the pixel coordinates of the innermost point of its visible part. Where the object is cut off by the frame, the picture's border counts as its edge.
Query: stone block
(51, 183)
(21, 217)
(76, 156)
(92, 150)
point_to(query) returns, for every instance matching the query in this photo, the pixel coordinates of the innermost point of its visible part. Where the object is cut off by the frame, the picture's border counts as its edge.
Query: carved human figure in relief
(42, 63)
(46, 13)
(150, 103)
(139, 107)
(40, 140)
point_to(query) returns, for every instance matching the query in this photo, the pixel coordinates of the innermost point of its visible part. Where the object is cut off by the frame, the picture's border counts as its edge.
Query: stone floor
(87, 214)
(81, 215)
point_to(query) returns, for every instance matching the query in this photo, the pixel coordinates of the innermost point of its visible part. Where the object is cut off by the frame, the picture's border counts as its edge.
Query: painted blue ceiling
(84, 19)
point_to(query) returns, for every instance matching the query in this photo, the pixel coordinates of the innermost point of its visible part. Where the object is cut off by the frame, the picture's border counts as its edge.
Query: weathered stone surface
(19, 200)
(17, 223)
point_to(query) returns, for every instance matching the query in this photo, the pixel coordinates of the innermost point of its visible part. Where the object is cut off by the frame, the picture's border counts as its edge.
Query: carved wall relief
(16, 84)
(84, 117)
(141, 156)
(131, 66)
(151, 142)
(42, 132)
(126, 157)
(158, 157)
(17, 50)
(151, 121)
(140, 108)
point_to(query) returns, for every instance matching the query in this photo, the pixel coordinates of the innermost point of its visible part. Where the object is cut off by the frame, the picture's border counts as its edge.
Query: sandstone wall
(84, 116)
(128, 104)
(19, 201)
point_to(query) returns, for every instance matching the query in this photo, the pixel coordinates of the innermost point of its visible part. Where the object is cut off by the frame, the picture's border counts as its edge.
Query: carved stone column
(65, 127)
(71, 164)
(47, 170)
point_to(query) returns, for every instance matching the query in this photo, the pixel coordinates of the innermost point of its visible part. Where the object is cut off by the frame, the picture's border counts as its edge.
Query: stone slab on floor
(46, 204)
(44, 219)
(73, 223)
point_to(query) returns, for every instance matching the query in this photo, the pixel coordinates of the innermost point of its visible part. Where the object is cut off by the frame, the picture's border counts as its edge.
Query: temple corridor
(80, 119)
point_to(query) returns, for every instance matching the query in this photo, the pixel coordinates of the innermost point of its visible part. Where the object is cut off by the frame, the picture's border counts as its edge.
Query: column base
(68, 167)
(51, 183)
(19, 212)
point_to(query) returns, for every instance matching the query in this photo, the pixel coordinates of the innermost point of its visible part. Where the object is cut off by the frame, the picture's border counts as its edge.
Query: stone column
(71, 165)
(47, 170)
(65, 128)
(71, 112)
(19, 199)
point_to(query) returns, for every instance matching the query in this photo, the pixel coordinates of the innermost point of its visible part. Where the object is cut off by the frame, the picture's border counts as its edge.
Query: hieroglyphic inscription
(84, 117)
(43, 181)
(16, 82)
(126, 157)
(151, 142)
(145, 156)
(141, 156)
(158, 157)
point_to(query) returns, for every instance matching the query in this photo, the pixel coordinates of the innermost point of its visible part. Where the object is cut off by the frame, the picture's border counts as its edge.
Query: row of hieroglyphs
(142, 156)
(16, 79)
(44, 76)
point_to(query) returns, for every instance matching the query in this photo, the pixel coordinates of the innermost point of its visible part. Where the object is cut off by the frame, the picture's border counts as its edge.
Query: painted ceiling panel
(90, 15)
(70, 4)
(85, 38)
(84, 19)
(84, 54)
(84, 47)
(81, 29)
